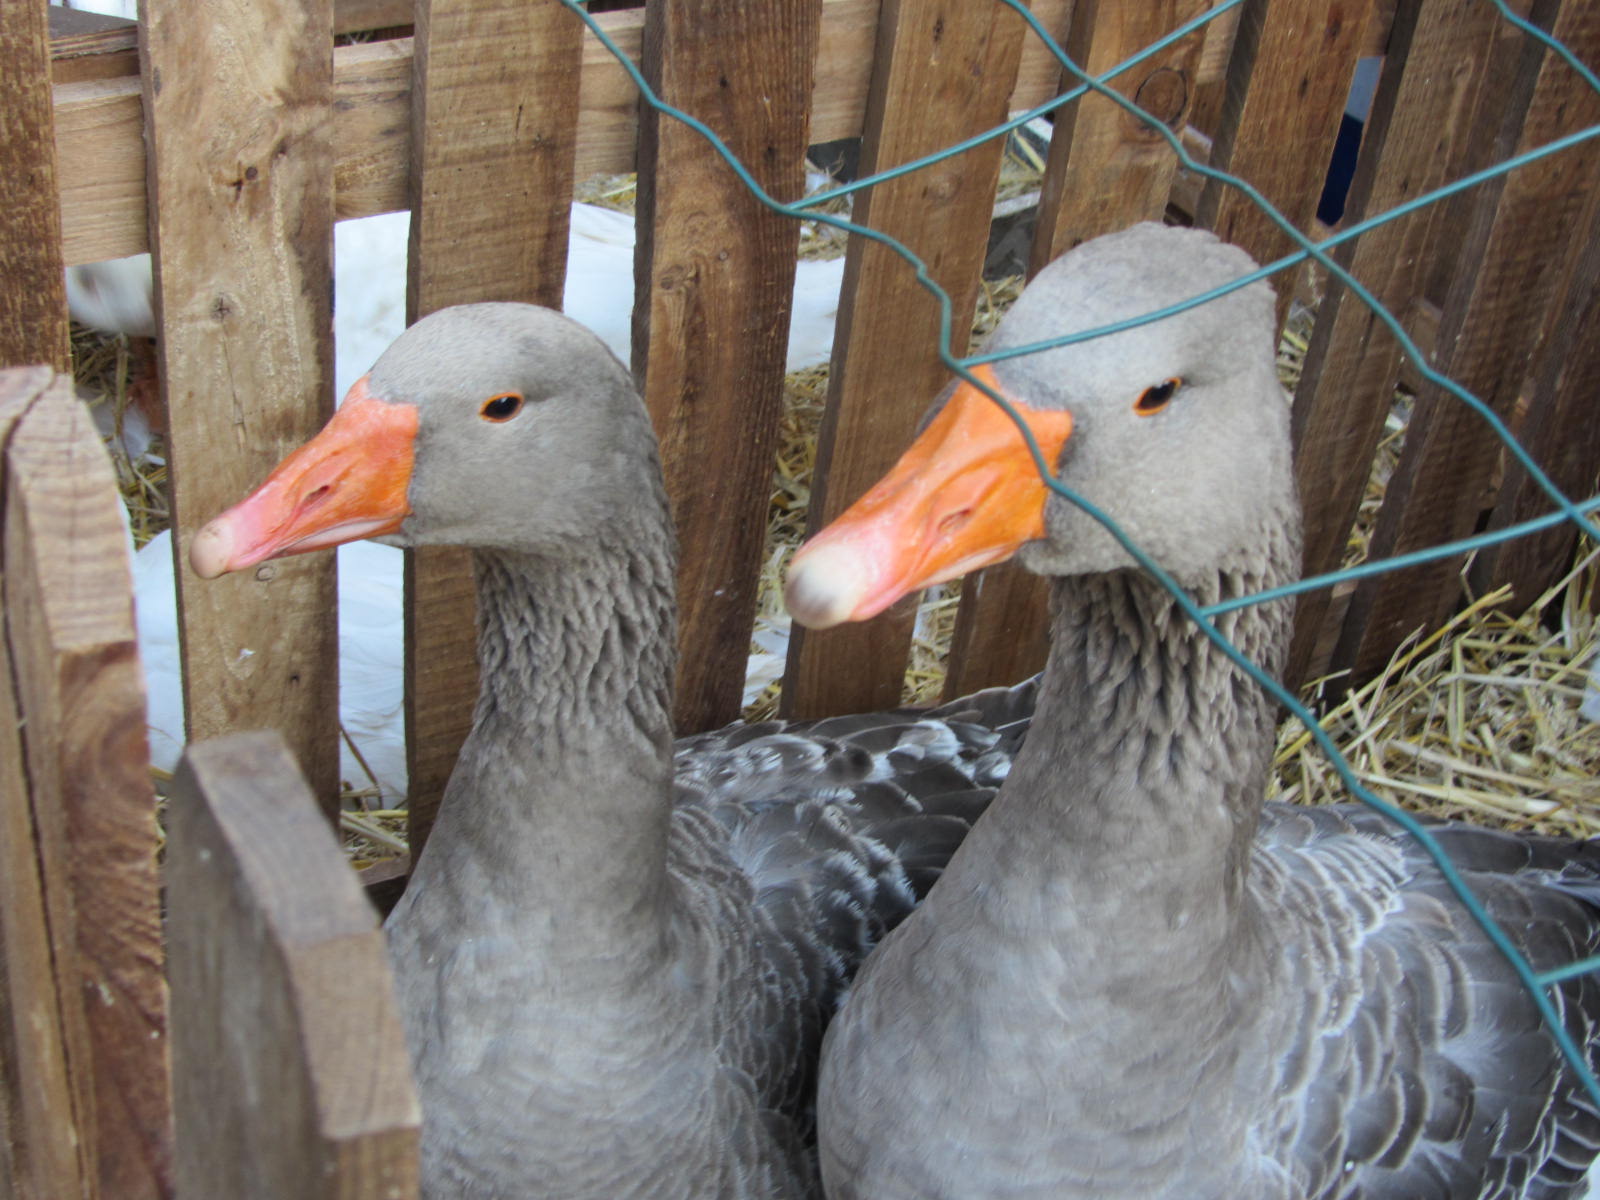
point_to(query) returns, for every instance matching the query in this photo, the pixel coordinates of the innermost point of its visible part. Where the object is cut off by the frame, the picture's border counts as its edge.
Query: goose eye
(501, 408)
(1153, 399)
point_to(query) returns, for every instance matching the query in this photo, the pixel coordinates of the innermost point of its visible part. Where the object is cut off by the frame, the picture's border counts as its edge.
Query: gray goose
(1133, 980)
(615, 956)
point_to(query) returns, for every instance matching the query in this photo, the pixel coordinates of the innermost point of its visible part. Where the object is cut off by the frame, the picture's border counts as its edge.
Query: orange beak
(348, 482)
(966, 494)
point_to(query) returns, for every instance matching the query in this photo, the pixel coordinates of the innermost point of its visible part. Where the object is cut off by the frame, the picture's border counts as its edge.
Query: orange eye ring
(1156, 397)
(502, 408)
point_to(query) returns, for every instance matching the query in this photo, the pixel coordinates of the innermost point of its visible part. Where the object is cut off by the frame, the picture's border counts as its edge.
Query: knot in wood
(1164, 94)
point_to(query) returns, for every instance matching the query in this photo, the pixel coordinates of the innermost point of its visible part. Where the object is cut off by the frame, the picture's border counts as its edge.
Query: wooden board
(1446, 60)
(33, 298)
(99, 128)
(290, 1074)
(40, 1136)
(90, 45)
(885, 368)
(1289, 75)
(242, 218)
(80, 695)
(494, 135)
(1523, 223)
(1559, 429)
(716, 276)
(1106, 170)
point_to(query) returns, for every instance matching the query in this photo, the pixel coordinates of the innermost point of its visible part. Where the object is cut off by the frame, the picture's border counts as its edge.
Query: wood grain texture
(1446, 63)
(494, 135)
(40, 1134)
(1289, 75)
(944, 72)
(1523, 223)
(99, 129)
(289, 1065)
(715, 274)
(241, 183)
(1559, 429)
(89, 45)
(80, 694)
(33, 298)
(1106, 170)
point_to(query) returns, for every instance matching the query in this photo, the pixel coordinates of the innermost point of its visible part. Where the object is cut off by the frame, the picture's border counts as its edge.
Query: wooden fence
(230, 145)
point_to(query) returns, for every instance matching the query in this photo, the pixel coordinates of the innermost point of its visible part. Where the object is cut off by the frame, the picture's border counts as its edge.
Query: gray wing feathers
(1417, 1066)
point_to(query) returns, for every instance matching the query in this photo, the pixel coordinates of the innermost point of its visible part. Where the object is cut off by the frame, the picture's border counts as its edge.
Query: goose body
(1135, 981)
(616, 954)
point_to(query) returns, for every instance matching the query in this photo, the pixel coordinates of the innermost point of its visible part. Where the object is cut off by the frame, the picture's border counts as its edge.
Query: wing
(812, 840)
(1416, 1065)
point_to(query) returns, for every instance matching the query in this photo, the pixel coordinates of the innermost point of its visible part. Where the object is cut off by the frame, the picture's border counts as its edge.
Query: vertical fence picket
(716, 275)
(1442, 64)
(941, 75)
(290, 1073)
(494, 130)
(1307, 53)
(239, 112)
(1523, 223)
(80, 699)
(1106, 170)
(33, 300)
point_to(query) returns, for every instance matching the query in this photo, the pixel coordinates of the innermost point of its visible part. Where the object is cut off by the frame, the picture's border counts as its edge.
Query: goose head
(496, 426)
(1176, 430)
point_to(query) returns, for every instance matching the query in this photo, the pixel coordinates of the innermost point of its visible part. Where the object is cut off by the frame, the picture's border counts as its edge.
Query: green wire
(1533, 983)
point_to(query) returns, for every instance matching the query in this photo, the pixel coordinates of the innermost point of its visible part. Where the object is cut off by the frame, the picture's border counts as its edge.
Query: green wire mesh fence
(1566, 508)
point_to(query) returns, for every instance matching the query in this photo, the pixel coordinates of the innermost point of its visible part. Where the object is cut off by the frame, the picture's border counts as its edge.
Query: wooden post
(1510, 255)
(716, 276)
(33, 297)
(80, 771)
(942, 74)
(1107, 169)
(239, 115)
(290, 1073)
(494, 133)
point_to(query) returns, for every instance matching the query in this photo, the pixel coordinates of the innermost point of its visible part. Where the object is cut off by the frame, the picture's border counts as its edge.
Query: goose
(1134, 979)
(615, 956)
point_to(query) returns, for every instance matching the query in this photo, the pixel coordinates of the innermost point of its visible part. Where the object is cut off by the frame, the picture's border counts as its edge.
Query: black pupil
(502, 407)
(1155, 397)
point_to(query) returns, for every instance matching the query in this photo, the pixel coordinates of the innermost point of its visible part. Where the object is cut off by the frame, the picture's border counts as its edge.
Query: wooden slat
(1559, 430)
(40, 1138)
(1446, 64)
(1106, 170)
(290, 1074)
(99, 128)
(1289, 75)
(885, 367)
(242, 219)
(494, 134)
(711, 320)
(80, 696)
(33, 298)
(1523, 223)
(88, 45)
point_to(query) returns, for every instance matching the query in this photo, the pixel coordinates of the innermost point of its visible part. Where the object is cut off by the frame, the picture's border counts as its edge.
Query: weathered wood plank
(1106, 170)
(1278, 124)
(33, 298)
(242, 221)
(494, 137)
(87, 45)
(1446, 63)
(99, 128)
(40, 1136)
(942, 74)
(290, 1073)
(1559, 429)
(711, 320)
(1490, 323)
(80, 694)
